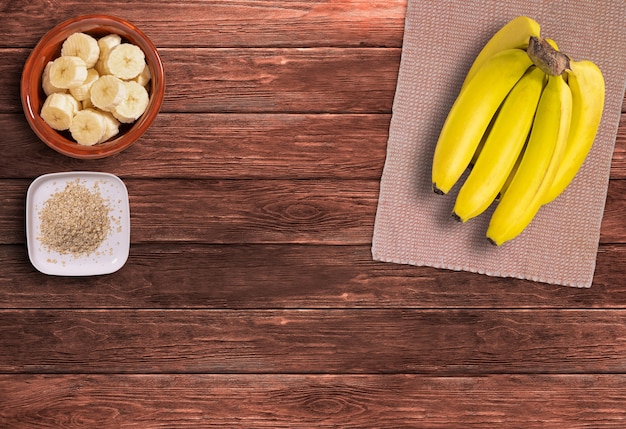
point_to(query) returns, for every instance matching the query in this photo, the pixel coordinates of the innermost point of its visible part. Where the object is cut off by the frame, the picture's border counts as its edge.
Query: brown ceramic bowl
(49, 48)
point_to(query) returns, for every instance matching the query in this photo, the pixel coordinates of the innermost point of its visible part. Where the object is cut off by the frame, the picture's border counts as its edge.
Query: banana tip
(492, 241)
(437, 191)
(457, 217)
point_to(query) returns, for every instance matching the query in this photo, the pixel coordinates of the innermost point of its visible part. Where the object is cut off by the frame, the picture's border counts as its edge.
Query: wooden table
(250, 298)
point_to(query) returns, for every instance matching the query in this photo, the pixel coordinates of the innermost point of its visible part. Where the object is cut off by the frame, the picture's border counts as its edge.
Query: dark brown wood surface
(250, 297)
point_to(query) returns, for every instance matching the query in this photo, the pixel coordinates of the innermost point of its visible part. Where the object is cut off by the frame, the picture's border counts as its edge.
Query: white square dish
(112, 253)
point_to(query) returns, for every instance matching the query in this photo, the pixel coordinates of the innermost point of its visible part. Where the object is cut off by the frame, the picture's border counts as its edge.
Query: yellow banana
(511, 175)
(471, 114)
(544, 152)
(482, 140)
(481, 143)
(514, 34)
(502, 146)
(587, 85)
(507, 182)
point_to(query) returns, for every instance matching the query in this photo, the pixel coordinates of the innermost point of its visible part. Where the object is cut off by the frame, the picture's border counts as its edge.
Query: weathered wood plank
(320, 401)
(281, 80)
(346, 146)
(437, 342)
(230, 211)
(222, 146)
(330, 80)
(618, 165)
(222, 24)
(11, 67)
(257, 211)
(250, 297)
(291, 276)
(613, 227)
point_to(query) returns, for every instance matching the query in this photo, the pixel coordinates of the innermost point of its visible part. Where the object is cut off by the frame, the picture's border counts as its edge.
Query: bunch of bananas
(524, 121)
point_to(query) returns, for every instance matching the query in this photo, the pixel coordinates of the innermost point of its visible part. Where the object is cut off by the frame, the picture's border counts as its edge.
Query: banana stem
(548, 59)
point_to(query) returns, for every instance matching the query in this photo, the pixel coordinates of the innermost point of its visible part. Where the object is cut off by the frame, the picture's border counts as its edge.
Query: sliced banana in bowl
(99, 71)
(81, 45)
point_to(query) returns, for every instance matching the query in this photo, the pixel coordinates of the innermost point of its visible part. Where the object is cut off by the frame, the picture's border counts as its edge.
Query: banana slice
(107, 92)
(68, 72)
(144, 77)
(47, 86)
(88, 127)
(82, 92)
(126, 61)
(134, 104)
(81, 45)
(106, 44)
(58, 110)
(111, 126)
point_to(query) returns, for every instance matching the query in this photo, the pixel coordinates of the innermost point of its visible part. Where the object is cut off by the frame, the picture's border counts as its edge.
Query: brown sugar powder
(75, 221)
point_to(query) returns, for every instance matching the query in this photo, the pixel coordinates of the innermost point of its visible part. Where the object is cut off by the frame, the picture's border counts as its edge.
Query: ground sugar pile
(75, 221)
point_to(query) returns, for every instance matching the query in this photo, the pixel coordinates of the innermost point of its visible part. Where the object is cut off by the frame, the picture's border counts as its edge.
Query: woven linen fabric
(413, 225)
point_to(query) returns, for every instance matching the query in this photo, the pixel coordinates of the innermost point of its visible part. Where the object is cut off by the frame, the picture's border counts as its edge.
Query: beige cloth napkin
(413, 225)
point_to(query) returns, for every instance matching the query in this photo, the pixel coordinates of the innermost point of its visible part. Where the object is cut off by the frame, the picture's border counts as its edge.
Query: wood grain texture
(381, 341)
(281, 80)
(348, 80)
(227, 211)
(618, 165)
(197, 23)
(257, 211)
(11, 66)
(320, 401)
(247, 276)
(250, 298)
(288, 146)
